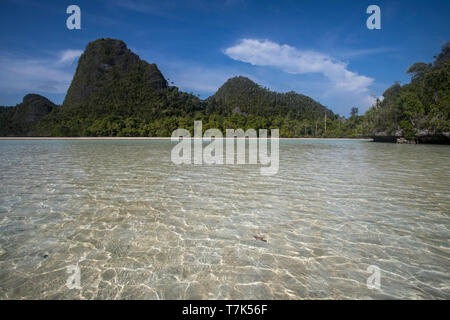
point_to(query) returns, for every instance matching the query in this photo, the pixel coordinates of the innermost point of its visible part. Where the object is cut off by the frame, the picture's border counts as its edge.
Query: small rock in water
(260, 238)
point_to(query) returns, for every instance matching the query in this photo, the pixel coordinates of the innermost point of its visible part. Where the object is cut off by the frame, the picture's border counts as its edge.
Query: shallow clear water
(141, 227)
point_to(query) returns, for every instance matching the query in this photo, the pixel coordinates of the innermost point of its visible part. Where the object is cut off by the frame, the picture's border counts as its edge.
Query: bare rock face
(405, 141)
(422, 136)
(109, 61)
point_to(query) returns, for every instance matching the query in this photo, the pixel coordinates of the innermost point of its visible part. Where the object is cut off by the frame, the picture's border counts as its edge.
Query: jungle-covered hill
(417, 111)
(22, 119)
(115, 93)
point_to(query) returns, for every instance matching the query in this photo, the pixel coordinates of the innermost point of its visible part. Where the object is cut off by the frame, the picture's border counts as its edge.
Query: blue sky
(319, 48)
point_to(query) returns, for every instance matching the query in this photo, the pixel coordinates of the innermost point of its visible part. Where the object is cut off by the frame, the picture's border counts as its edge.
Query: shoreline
(162, 138)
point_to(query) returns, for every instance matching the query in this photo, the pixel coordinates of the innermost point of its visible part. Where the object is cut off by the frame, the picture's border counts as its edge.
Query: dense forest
(23, 118)
(417, 111)
(115, 93)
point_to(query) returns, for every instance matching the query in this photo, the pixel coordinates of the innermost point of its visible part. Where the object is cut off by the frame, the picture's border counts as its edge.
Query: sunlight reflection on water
(139, 226)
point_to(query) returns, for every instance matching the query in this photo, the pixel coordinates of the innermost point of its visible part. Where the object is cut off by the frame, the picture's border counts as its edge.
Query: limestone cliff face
(104, 64)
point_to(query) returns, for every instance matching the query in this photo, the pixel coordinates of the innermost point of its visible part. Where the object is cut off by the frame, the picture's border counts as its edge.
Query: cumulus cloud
(344, 88)
(295, 61)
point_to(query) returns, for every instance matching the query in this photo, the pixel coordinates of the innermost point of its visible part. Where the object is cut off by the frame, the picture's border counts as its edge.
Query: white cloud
(343, 89)
(356, 53)
(47, 75)
(69, 56)
(294, 61)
